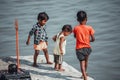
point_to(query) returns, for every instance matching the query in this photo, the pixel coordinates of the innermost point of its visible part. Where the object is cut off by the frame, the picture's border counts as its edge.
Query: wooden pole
(17, 44)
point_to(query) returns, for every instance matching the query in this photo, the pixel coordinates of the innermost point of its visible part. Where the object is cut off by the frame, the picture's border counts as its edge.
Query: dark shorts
(82, 53)
(58, 59)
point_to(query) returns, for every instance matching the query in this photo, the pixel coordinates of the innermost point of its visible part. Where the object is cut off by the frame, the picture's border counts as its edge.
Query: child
(40, 37)
(84, 34)
(60, 43)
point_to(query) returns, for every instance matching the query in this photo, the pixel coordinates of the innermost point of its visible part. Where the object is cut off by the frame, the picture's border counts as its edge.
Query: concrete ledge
(44, 71)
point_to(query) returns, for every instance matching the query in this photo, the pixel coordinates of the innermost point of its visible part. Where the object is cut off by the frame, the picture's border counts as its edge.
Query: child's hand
(47, 43)
(54, 38)
(61, 53)
(27, 42)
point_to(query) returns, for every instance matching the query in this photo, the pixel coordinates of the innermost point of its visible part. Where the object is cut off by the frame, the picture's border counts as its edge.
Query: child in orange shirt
(84, 34)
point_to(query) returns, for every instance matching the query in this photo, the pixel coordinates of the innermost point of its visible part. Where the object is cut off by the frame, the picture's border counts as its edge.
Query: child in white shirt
(59, 49)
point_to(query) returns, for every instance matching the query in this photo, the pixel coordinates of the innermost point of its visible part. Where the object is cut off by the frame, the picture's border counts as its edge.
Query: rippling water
(103, 15)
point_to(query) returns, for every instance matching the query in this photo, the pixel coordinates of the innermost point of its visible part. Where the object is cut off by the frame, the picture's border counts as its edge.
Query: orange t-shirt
(82, 33)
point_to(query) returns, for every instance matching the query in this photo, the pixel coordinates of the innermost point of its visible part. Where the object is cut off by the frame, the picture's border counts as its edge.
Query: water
(103, 15)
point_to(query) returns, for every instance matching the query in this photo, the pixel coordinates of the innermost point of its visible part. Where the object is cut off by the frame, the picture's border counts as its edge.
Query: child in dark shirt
(40, 37)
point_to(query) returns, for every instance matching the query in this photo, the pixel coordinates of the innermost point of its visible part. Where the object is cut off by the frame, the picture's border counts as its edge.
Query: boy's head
(81, 16)
(67, 29)
(42, 18)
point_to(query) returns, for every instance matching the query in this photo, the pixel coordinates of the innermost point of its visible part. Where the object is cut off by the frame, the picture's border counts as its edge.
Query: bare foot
(56, 69)
(49, 62)
(61, 70)
(83, 76)
(35, 65)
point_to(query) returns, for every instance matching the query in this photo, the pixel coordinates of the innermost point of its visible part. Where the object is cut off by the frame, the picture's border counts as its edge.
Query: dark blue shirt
(39, 33)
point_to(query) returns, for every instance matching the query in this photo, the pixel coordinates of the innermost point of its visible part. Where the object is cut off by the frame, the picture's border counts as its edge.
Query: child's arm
(74, 33)
(54, 38)
(62, 39)
(28, 40)
(74, 36)
(47, 43)
(92, 39)
(30, 34)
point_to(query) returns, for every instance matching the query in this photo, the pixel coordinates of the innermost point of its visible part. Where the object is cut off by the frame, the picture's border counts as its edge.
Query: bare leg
(82, 65)
(56, 66)
(35, 58)
(86, 63)
(46, 56)
(60, 68)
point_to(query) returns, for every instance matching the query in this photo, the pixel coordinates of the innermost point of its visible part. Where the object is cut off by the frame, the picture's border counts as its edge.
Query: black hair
(42, 16)
(67, 28)
(81, 16)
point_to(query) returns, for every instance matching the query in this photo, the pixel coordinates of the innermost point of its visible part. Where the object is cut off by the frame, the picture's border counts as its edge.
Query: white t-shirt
(56, 48)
